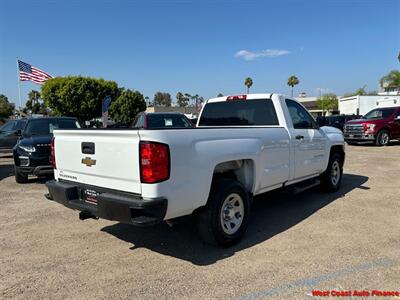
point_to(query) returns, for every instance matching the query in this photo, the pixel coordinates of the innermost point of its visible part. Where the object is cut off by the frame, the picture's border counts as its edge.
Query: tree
(162, 99)
(292, 81)
(391, 80)
(6, 108)
(327, 102)
(361, 91)
(181, 100)
(248, 82)
(33, 103)
(78, 96)
(195, 99)
(127, 106)
(220, 95)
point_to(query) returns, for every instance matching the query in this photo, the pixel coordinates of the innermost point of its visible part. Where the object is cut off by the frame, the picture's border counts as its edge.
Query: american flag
(28, 72)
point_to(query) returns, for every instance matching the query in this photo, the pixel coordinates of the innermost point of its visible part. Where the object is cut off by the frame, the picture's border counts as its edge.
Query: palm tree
(248, 82)
(292, 81)
(391, 80)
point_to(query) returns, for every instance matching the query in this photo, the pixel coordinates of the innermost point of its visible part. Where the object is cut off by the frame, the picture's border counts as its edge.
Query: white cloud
(249, 55)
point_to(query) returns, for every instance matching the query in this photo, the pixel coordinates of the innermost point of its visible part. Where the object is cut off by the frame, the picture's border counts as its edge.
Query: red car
(380, 126)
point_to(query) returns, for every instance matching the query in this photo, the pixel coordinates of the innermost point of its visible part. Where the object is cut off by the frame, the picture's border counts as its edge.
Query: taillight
(237, 97)
(53, 154)
(154, 162)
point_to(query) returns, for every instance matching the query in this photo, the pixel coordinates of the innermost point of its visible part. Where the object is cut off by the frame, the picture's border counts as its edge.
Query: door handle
(299, 137)
(87, 148)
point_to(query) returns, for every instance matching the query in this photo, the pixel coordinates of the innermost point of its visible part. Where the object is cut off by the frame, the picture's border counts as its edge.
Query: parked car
(161, 120)
(338, 121)
(10, 133)
(244, 145)
(32, 152)
(380, 126)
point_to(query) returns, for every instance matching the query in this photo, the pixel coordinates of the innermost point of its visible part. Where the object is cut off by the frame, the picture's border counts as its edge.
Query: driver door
(308, 142)
(8, 135)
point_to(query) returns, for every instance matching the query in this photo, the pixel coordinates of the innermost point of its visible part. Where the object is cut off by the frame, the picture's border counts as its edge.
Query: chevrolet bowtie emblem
(88, 161)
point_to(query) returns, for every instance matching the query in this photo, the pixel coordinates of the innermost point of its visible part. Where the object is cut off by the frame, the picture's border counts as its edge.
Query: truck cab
(379, 126)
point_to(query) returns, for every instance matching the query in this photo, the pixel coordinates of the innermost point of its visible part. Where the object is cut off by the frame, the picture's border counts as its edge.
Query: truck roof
(248, 97)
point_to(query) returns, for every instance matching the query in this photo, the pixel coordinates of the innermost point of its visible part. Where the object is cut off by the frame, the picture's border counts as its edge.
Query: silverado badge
(88, 161)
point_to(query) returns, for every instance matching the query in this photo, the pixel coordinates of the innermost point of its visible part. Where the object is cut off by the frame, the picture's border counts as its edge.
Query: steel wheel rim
(232, 213)
(335, 173)
(384, 138)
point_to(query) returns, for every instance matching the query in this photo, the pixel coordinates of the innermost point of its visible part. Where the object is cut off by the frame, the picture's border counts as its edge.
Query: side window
(139, 122)
(300, 117)
(8, 127)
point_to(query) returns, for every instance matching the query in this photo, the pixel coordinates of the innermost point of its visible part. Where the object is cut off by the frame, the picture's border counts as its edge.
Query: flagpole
(19, 87)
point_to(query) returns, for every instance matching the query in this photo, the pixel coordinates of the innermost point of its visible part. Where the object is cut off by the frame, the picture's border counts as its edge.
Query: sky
(203, 47)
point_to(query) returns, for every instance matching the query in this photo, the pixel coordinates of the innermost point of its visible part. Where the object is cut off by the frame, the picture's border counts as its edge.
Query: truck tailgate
(104, 158)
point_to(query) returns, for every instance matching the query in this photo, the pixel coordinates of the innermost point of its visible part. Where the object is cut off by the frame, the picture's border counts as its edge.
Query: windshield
(47, 126)
(379, 113)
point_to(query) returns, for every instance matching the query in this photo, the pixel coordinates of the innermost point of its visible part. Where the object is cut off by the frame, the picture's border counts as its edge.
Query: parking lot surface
(349, 240)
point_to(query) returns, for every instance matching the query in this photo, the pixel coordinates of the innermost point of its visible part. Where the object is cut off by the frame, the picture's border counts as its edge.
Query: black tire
(210, 218)
(20, 177)
(332, 177)
(382, 138)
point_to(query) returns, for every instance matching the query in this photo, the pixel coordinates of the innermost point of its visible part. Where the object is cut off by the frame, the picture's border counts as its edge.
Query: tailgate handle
(87, 148)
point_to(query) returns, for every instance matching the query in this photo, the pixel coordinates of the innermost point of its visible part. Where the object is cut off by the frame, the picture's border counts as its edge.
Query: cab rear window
(259, 112)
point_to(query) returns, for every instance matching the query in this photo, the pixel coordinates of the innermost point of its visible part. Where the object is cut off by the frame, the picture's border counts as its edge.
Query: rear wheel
(223, 220)
(383, 138)
(19, 176)
(332, 177)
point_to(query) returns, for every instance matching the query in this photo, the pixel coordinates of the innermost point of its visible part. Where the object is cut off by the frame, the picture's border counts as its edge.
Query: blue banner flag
(106, 104)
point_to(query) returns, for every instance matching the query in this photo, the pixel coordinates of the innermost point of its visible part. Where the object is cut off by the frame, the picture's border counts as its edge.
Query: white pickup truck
(242, 146)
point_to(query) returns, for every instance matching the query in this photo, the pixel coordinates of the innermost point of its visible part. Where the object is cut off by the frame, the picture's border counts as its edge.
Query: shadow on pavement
(276, 214)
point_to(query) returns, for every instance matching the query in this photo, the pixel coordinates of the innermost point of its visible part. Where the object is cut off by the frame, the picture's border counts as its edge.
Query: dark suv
(10, 133)
(337, 121)
(32, 152)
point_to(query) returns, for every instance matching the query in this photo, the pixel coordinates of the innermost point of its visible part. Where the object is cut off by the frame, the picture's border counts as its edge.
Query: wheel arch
(241, 170)
(338, 149)
(385, 128)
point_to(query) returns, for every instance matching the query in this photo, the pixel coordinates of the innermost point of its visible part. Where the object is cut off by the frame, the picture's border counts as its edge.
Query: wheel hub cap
(232, 213)
(335, 173)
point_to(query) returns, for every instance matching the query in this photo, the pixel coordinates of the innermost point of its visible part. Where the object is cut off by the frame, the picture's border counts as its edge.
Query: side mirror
(397, 118)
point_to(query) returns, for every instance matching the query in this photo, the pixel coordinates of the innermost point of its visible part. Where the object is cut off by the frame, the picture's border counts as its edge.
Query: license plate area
(90, 196)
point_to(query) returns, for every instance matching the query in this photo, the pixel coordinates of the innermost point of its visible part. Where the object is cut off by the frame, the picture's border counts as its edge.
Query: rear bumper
(111, 205)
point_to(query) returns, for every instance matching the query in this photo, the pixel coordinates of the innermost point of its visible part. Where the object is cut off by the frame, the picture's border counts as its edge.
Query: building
(311, 104)
(360, 105)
